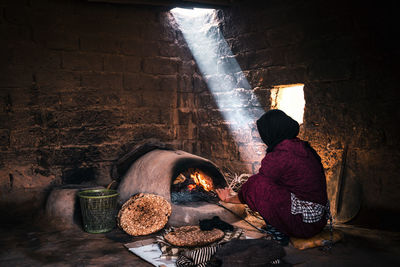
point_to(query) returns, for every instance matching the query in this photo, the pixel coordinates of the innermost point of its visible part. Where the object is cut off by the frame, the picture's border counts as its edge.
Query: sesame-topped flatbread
(144, 214)
(193, 236)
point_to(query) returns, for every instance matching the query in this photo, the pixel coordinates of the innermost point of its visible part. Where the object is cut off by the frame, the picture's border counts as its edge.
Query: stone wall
(83, 83)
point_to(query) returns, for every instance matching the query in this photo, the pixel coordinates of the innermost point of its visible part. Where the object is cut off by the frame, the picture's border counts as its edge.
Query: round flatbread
(193, 236)
(144, 214)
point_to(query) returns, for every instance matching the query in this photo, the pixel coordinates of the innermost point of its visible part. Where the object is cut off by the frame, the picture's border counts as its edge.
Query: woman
(289, 191)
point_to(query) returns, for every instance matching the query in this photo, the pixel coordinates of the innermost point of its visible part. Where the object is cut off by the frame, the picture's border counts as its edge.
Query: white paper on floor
(149, 251)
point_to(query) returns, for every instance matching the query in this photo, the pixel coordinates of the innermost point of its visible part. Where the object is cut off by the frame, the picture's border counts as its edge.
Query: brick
(169, 49)
(16, 14)
(273, 76)
(31, 138)
(15, 98)
(187, 67)
(143, 115)
(199, 84)
(82, 61)
(160, 66)
(331, 70)
(84, 136)
(139, 81)
(57, 40)
(285, 35)
(28, 56)
(132, 64)
(142, 132)
(87, 118)
(113, 63)
(87, 98)
(265, 58)
(99, 43)
(186, 100)
(206, 100)
(185, 83)
(134, 47)
(4, 138)
(71, 155)
(57, 79)
(169, 83)
(15, 78)
(14, 33)
(159, 99)
(102, 80)
(210, 134)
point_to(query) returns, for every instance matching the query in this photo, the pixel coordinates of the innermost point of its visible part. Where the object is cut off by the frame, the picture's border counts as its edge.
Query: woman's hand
(227, 195)
(224, 193)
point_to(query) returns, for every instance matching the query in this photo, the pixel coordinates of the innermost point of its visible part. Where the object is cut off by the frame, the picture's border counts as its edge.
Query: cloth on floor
(277, 235)
(249, 252)
(215, 222)
(198, 257)
(169, 250)
(318, 240)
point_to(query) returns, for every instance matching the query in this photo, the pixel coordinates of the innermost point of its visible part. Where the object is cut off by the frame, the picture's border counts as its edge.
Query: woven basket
(99, 209)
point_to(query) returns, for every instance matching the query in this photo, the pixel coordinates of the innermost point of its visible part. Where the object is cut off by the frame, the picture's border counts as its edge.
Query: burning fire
(193, 179)
(201, 180)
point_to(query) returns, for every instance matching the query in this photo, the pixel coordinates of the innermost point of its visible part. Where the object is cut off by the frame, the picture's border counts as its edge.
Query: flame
(191, 186)
(201, 180)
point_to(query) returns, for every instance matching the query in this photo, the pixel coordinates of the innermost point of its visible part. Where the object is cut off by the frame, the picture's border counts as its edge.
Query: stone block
(89, 98)
(143, 115)
(102, 80)
(163, 99)
(135, 47)
(29, 56)
(168, 49)
(199, 84)
(15, 78)
(82, 61)
(185, 83)
(4, 139)
(57, 40)
(102, 42)
(273, 76)
(141, 81)
(206, 100)
(58, 80)
(330, 70)
(210, 134)
(132, 64)
(266, 58)
(186, 100)
(187, 67)
(160, 65)
(70, 156)
(15, 33)
(169, 83)
(285, 35)
(88, 118)
(83, 136)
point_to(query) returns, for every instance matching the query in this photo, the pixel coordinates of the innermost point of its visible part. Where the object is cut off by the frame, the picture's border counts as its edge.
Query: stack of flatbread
(144, 214)
(193, 236)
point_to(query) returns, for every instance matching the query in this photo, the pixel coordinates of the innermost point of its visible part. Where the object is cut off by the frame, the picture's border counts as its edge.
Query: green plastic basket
(99, 209)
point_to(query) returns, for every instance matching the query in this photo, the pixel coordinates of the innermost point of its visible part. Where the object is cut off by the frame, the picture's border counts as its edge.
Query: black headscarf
(275, 126)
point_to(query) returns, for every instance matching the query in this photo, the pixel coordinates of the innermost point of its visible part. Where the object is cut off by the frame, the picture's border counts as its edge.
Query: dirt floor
(39, 245)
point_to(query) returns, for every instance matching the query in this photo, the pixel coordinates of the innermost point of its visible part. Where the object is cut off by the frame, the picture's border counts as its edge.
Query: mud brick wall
(83, 83)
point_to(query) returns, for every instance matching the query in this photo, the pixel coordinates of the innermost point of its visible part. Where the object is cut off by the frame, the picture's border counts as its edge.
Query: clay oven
(157, 172)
